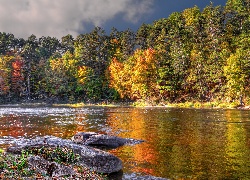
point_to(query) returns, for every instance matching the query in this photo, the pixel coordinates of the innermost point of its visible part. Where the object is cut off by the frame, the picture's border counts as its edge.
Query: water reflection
(237, 152)
(190, 144)
(179, 143)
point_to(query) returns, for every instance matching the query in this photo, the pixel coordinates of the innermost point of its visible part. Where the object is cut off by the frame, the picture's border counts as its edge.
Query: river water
(179, 143)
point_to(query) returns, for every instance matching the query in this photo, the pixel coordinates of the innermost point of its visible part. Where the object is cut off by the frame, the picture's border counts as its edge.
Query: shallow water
(179, 143)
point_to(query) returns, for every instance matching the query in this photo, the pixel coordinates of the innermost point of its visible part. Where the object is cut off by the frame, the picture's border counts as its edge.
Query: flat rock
(94, 159)
(96, 139)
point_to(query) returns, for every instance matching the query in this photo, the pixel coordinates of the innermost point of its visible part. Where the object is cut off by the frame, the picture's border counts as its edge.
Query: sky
(57, 18)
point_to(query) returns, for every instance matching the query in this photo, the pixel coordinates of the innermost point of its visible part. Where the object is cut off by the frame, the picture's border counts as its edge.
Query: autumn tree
(200, 55)
(5, 75)
(136, 77)
(118, 78)
(17, 77)
(12, 77)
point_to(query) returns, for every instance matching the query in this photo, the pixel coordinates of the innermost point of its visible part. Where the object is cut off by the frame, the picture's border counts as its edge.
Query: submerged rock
(94, 159)
(95, 139)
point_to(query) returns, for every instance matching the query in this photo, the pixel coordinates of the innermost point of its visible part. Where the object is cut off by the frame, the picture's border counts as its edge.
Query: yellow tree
(135, 78)
(5, 74)
(236, 72)
(144, 74)
(118, 77)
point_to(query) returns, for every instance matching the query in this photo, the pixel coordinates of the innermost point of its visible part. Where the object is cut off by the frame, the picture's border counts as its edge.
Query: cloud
(58, 18)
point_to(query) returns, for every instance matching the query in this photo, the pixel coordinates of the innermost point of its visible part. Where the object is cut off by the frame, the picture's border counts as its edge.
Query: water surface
(179, 143)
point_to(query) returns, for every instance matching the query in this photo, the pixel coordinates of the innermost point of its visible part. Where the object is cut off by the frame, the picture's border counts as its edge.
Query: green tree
(92, 50)
(214, 48)
(8, 43)
(61, 76)
(237, 71)
(47, 47)
(142, 36)
(179, 50)
(67, 44)
(31, 59)
(122, 44)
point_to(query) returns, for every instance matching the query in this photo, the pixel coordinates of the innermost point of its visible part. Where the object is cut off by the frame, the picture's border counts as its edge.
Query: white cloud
(61, 17)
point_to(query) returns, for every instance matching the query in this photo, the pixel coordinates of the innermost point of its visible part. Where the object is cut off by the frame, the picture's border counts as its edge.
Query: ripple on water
(41, 112)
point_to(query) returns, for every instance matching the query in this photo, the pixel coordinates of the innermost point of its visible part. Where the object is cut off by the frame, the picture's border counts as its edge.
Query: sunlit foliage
(5, 74)
(135, 78)
(193, 55)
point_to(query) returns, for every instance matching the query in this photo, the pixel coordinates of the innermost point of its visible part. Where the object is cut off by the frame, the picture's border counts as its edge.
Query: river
(179, 143)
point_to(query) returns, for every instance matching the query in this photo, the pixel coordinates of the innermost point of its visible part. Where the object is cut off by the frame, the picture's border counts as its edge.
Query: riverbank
(198, 105)
(139, 103)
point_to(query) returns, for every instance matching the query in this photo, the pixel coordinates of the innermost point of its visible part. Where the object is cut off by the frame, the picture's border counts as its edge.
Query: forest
(193, 55)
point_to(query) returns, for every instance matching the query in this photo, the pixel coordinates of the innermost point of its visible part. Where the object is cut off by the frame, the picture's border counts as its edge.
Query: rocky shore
(82, 150)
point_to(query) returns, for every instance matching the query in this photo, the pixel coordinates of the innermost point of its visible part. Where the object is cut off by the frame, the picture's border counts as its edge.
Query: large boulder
(103, 140)
(94, 159)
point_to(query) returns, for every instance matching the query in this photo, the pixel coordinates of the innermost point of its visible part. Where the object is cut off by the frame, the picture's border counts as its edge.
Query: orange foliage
(136, 77)
(17, 76)
(17, 65)
(115, 41)
(117, 77)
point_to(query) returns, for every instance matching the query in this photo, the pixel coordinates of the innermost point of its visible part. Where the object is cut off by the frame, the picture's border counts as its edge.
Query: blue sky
(159, 9)
(58, 18)
(163, 8)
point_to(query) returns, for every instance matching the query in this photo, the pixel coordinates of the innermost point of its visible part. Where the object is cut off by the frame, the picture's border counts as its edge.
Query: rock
(81, 137)
(243, 107)
(94, 159)
(53, 169)
(95, 139)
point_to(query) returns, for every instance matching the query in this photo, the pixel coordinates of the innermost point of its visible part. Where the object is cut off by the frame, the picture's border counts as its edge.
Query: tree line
(193, 55)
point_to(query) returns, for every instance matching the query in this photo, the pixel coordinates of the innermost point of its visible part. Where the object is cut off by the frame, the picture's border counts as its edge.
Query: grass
(145, 103)
(14, 166)
(104, 103)
(198, 105)
(59, 155)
